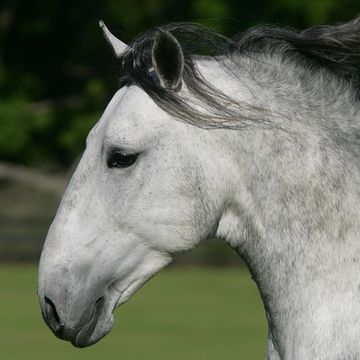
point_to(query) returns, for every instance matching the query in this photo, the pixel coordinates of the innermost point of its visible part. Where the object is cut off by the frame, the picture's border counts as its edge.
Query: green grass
(186, 313)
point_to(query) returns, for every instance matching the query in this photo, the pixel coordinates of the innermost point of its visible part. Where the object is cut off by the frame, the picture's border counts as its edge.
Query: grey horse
(255, 140)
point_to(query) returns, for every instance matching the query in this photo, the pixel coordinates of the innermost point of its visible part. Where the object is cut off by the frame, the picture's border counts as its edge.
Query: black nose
(52, 318)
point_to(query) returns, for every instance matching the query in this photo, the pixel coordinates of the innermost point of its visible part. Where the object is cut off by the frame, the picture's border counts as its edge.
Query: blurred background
(56, 76)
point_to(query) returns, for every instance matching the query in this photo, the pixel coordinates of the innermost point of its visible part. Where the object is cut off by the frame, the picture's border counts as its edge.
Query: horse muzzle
(93, 324)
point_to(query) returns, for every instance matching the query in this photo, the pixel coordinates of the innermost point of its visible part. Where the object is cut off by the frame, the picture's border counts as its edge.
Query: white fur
(288, 202)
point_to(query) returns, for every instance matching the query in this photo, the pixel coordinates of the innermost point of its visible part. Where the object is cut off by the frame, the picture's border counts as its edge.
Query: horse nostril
(52, 317)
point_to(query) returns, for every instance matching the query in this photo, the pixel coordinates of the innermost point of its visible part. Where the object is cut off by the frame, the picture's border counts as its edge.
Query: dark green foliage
(57, 73)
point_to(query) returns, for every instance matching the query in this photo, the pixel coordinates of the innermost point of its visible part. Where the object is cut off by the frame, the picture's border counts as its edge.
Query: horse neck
(294, 219)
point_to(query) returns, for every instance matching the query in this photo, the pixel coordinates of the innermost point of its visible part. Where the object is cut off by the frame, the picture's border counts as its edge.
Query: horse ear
(168, 59)
(117, 46)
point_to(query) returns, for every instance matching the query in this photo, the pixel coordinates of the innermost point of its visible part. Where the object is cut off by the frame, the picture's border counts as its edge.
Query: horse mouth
(101, 320)
(98, 325)
(94, 323)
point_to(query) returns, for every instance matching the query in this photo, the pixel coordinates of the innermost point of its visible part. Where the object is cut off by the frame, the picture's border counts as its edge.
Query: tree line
(57, 73)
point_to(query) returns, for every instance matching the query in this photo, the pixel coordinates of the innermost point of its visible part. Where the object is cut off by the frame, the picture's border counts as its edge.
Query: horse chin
(98, 325)
(93, 331)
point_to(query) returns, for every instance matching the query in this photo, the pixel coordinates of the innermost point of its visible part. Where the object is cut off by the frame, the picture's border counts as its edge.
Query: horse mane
(332, 48)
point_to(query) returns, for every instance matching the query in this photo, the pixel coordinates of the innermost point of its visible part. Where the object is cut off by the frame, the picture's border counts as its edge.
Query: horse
(254, 140)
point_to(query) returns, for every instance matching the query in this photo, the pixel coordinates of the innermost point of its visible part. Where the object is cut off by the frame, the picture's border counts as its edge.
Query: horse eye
(120, 159)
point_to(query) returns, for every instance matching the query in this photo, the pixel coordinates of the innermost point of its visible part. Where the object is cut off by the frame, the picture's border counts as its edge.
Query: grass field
(183, 313)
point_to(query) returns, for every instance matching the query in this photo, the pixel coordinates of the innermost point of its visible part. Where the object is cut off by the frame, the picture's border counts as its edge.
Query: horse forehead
(137, 117)
(136, 107)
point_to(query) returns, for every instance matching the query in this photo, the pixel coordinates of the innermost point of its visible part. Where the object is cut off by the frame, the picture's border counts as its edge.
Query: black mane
(333, 48)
